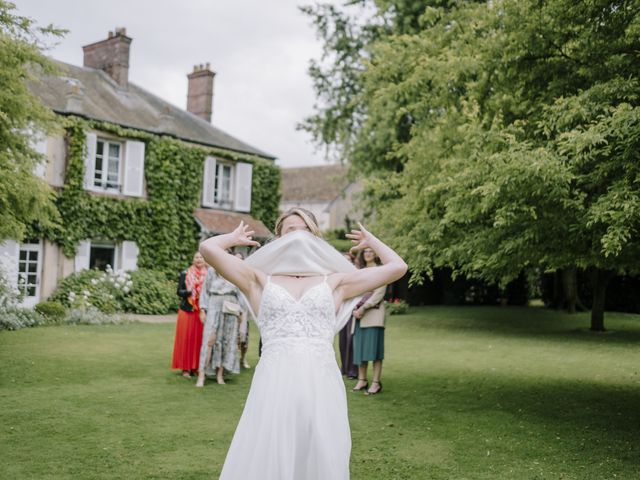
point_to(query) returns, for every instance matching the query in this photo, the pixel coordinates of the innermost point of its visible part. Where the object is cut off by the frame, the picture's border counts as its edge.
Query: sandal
(366, 385)
(369, 392)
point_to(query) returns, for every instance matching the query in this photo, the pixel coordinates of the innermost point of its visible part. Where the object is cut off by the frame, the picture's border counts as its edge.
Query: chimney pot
(200, 92)
(110, 55)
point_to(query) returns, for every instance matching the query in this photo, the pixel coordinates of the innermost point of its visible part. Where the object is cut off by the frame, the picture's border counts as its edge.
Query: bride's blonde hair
(307, 217)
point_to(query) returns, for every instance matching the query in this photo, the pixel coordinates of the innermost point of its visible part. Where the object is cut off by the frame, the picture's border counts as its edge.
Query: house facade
(139, 182)
(324, 190)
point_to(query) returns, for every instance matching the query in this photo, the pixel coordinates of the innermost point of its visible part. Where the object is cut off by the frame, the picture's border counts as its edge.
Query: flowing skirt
(368, 344)
(294, 425)
(186, 347)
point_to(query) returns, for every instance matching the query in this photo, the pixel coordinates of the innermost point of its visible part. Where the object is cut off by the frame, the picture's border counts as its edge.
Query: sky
(260, 51)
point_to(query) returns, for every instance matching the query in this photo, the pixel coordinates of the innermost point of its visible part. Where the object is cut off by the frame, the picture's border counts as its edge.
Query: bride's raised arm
(229, 266)
(367, 279)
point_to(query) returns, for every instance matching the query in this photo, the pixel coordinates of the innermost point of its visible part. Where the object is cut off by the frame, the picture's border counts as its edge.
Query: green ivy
(161, 224)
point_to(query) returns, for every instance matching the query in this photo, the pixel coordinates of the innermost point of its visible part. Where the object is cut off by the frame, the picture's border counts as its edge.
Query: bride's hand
(242, 236)
(360, 238)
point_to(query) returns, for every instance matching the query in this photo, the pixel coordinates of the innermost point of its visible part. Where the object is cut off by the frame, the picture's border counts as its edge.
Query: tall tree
(24, 198)
(520, 139)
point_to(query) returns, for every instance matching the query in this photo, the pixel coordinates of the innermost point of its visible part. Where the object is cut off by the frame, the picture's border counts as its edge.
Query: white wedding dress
(294, 425)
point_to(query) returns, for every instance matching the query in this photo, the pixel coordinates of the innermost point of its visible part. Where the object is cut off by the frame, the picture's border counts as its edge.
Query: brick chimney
(110, 55)
(200, 92)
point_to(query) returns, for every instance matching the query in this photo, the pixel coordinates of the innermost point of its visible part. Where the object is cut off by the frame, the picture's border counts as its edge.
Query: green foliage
(54, 312)
(162, 225)
(92, 288)
(92, 316)
(151, 293)
(501, 136)
(396, 307)
(15, 318)
(24, 198)
(141, 291)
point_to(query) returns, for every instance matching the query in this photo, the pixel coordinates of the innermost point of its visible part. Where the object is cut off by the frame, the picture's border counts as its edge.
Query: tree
(24, 198)
(519, 146)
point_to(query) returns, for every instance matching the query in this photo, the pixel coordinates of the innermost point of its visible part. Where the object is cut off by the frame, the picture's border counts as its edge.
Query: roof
(321, 183)
(219, 221)
(101, 98)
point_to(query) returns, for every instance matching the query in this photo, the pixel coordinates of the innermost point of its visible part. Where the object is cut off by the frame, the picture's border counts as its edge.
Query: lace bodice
(282, 316)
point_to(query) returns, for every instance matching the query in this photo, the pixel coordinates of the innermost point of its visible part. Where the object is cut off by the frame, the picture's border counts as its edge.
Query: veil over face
(302, 253)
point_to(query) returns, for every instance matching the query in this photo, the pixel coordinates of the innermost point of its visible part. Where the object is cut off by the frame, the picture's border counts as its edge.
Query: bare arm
(230, 267)
(367, 279)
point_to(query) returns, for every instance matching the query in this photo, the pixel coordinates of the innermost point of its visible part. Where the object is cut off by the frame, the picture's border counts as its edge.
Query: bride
(295, 425)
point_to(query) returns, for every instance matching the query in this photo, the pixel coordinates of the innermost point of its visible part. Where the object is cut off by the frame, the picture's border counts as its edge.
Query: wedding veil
(302, 253)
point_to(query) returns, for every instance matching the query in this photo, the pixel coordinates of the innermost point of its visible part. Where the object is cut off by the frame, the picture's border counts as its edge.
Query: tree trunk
(600, 279)
(569, 297)
(570, 288)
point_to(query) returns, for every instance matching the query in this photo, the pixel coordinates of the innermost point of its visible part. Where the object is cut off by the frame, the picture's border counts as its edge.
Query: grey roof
(320, 183)
(99, 97)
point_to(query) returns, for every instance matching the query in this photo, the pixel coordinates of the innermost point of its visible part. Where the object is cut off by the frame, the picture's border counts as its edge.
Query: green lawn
(469, 393)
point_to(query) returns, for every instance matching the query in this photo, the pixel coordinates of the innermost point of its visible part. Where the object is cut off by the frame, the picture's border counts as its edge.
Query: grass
(469, 393)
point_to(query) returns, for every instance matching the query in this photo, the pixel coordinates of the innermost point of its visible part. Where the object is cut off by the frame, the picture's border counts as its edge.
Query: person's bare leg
(362, 377)
(210, 343)
(244, 347)
(377, 373)
(220, 376)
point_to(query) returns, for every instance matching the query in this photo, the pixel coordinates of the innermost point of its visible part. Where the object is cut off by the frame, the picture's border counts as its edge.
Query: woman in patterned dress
(219, 350)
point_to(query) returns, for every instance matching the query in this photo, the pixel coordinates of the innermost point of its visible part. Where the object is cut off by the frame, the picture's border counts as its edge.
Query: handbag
(373, 317)
(231, 308)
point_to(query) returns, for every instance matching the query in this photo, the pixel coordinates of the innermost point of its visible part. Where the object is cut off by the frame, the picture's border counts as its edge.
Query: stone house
(326, 191)
(114, 165)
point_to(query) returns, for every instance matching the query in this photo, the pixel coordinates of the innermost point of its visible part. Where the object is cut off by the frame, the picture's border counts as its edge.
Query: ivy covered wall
(162, 224)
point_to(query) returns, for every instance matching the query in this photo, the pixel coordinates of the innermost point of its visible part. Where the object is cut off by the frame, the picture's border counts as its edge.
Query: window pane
(23, 254)
(114, 151)
(33, 267)
(31, 279)
(100, 257)
(33, 256)
(31, 291)
(22, 267)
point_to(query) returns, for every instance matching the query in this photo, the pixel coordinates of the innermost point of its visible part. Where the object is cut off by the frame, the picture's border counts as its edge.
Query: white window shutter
(40, 146)
(82, 255)
(129, 256)
(9, 252)
(90, 160)
(133, 169)
(244, 171)
(208, 182)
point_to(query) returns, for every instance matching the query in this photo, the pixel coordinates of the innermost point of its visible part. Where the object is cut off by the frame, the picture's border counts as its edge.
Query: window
(102, 254)
(29, 268)
(106, 173)
(222, 193)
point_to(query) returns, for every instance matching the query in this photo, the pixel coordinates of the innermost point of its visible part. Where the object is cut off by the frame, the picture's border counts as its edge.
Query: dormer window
(106, 173)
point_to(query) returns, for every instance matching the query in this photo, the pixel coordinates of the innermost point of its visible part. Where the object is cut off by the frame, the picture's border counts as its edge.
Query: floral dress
(221, 326)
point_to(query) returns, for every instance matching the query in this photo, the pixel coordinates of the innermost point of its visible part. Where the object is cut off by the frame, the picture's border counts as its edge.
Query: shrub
(53, 311)
(91, 316)
(396, 307)
(150, 293)
(93, 288)
(14, 318)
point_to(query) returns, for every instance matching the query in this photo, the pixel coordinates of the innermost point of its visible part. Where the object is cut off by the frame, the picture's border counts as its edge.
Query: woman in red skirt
(186, 348)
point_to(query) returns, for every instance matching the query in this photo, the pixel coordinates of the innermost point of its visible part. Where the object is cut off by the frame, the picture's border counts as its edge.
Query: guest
(345, 338)
(220, 313)
(368, 339)
(186, 347)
